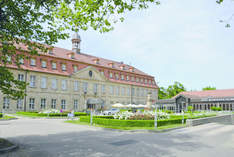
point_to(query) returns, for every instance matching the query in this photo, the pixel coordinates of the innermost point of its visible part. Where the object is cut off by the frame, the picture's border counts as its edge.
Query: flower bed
(146, 115)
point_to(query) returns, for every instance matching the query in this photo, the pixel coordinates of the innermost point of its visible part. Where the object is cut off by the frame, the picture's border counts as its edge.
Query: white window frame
(85, 87)
(95, 88)
(54, 65)
(43, 64)
(122, 77)
(32, 81)
(111, 75)
(6, 103)
(64, 67)
(54, 83)
(53, 103)
(43, 82)
(21, 77)
(75, 106)
(64, 85)
(76, 86)
(33, 62)
(32, 103)
(43, 103)
(19, 104)
(63, 104)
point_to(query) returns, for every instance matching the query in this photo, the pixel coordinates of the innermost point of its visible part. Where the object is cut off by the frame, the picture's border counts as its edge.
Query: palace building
(199, 100)
(71, 80)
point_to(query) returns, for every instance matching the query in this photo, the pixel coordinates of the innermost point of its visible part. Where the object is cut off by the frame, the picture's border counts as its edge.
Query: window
(117, 90)
(137, 92)
(111, 75)
(63, 104)
(128, 91)
(43, 82)
(76, 85)
(142, 92)
(43, 103)
(132, 78)
(8, 58)
(64, 67)
(54, 83)
(75, 69)
(43, 64)
(137, 79)
(33, 62)
(31, 103)
(102, 72)
(54, 65)
(19, 104)
(133, 91)
(21, 77)
(123, 91)
(53, 103)
(116, 76)
(75, 104)
(64, 84)
(6, 103)
(149, 81)
(145, 81)
(142, 80)
(103, 89)
(95, 88)
(85, 87)
(127, 78)
(122, 77)
(32, 81)
(21, 61)
(111, 90)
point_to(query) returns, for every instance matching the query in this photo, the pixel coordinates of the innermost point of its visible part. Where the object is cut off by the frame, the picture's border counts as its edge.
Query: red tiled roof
(89, 59)
(209, 93)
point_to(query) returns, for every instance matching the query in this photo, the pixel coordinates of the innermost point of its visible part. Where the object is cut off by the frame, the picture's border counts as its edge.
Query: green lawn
(127, 128)
(7, 117)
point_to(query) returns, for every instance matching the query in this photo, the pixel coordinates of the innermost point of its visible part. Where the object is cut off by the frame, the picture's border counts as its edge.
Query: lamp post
(155, 117)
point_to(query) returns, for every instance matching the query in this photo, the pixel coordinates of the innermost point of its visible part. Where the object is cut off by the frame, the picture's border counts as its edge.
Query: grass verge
(7, 117)
(127, 128)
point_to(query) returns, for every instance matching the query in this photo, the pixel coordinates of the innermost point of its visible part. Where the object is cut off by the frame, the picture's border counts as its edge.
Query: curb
(144, 130)
(8, 119)
(8, 149)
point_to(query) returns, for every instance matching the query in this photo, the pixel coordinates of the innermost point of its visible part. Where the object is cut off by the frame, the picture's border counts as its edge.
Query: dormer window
(50, 51)
(43, 64)
(71, 55)
(33, 62)
(64, 67)
(131, 69)
(96, 60)
(75, 68)
(122, 67)
(111, 65)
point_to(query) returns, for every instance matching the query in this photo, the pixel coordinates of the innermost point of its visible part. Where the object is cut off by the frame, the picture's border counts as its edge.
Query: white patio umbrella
(118, 105)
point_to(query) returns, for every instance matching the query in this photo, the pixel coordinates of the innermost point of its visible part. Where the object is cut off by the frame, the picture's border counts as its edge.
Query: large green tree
(45, 22)
(172, 90)
(209, 88)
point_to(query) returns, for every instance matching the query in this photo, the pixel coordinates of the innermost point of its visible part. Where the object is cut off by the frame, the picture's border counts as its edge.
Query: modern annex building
(200, 100)
(70, 80)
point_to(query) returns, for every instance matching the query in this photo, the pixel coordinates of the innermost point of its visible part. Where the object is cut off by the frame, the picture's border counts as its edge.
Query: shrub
(216, 108)
(63, 114)
(0, 115)
(130, 123)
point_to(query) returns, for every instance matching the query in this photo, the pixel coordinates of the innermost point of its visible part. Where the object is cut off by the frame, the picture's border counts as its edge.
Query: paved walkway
(54, 138)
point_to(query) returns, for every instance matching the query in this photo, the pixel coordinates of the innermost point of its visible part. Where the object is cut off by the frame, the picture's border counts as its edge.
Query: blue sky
(179, 40)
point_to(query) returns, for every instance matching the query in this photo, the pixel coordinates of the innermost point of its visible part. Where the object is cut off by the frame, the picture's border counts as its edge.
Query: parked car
(111, 111)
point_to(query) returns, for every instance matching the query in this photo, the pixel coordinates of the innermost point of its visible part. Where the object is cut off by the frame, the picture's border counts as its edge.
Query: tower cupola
(76, 42)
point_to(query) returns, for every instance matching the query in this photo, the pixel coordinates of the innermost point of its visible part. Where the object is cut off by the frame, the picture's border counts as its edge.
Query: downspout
(25, 91)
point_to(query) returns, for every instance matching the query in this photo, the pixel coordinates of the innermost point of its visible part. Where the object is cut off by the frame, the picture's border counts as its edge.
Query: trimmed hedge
(0, 115)
(50, 114)
(130, 123)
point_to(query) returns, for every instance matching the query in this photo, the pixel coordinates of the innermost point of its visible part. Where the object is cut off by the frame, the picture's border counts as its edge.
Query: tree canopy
(209, 88)
(38, 22)
(171, 91)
